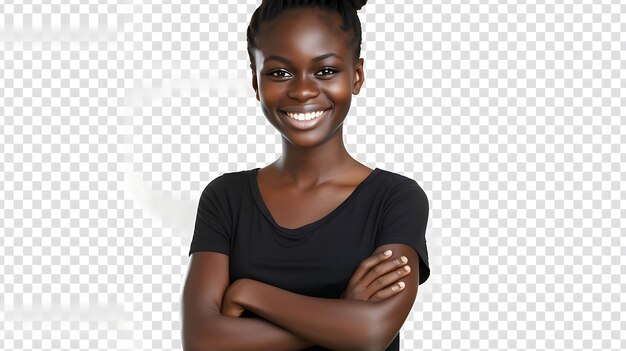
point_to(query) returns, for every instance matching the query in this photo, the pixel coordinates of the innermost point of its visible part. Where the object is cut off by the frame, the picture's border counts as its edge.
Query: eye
(271, 74)
(327, 69)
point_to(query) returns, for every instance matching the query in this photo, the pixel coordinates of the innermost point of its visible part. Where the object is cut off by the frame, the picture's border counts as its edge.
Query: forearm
(239, 334)
(336, 324)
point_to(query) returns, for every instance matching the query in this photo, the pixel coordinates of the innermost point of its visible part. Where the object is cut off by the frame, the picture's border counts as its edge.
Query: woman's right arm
(204, 328)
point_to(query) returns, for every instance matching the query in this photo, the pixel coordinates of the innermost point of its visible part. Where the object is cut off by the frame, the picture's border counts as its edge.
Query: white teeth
(304, 116)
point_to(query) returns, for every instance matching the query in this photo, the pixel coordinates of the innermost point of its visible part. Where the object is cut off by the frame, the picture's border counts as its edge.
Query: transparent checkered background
(510, 116)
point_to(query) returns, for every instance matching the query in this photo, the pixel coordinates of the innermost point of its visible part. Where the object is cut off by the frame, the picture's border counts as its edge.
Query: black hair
(269, 9)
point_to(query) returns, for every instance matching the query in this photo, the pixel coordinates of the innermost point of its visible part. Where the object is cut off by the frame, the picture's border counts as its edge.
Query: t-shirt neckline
(310, 226)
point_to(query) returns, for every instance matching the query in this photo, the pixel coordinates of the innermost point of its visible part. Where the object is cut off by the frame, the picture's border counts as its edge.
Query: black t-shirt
(319, 258)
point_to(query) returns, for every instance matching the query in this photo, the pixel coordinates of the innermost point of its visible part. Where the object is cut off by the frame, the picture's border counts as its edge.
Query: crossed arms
(291, 321)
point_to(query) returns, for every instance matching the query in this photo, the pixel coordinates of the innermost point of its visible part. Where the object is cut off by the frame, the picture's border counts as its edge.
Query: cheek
(340, 91)
(269, 91)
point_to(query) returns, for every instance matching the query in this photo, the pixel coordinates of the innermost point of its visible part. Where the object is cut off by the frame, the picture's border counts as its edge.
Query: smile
(305, 121)
(304, 116)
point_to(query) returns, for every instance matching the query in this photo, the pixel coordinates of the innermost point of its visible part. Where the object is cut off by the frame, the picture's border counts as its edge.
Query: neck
(310, 166)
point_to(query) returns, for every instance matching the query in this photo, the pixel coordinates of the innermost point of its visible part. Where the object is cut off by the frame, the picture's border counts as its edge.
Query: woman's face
(296, 72)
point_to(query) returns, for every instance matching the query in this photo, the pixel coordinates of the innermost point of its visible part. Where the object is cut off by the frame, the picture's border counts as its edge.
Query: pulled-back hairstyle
(269, 9)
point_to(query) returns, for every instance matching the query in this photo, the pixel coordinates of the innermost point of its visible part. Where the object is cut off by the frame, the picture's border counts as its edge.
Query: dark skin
(314, 175)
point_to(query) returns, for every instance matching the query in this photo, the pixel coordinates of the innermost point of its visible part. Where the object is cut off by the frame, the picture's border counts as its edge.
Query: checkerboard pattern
(115, 115)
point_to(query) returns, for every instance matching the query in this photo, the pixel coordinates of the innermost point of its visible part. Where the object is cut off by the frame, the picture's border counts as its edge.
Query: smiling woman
(291, 256)
(297, 68)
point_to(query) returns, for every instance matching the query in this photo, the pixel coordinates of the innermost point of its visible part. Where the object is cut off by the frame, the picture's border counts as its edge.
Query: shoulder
(227, 187)
(228, 180)
(397, 184)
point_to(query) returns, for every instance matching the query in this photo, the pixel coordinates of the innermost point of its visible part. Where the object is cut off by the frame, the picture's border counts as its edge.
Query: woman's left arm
(336, 324)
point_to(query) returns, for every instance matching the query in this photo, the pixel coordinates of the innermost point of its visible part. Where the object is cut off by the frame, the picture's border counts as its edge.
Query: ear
(359, 78)
(255, 84)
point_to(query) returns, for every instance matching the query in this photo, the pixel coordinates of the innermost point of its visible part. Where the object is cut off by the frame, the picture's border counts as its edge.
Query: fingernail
(401, 285)
(403, 259)
(387, 253)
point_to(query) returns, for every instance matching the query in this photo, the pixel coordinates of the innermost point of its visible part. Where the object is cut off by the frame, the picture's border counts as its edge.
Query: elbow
(189, 337)
(369, 338)
(376, 342)
(189, 346)
(199, 344)
(192, 343)
(189, 343)
(201, 336)
(379, 336)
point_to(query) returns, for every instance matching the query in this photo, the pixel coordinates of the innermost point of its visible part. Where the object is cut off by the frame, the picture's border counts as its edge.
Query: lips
(305, 124)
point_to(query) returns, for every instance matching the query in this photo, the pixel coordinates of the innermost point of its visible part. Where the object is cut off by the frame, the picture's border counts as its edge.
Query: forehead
(303, 32)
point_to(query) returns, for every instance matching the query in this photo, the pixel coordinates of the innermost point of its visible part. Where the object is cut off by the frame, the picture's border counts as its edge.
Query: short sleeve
(404, 219)
(212, 229)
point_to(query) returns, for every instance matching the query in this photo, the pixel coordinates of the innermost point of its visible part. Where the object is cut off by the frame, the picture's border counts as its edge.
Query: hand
(373, 278)
(231, 306)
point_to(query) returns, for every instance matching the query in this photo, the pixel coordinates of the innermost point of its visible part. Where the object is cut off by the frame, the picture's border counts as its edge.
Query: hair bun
(357, 4)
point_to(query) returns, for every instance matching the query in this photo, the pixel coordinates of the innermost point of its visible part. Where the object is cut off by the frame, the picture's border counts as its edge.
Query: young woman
(298, 246)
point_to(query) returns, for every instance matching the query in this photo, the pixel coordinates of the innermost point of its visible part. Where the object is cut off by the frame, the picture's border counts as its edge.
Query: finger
(382, 268)
(388, 279)
(367, 264)
(388, 292)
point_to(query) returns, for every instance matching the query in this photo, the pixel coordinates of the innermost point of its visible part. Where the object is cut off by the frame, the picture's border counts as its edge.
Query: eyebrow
(315, 59)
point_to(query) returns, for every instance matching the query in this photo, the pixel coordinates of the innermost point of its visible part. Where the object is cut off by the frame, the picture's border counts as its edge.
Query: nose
(303, 88)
